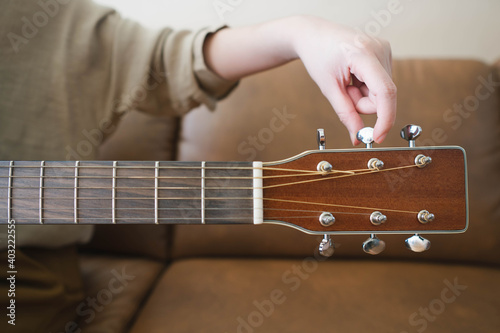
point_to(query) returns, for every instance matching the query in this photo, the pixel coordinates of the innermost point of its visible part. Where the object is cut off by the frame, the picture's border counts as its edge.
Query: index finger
(381, 86)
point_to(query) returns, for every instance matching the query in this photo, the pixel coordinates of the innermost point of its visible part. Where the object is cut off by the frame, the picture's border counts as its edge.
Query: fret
(180, 174)
(9, 199)
(113, 194)
(40, 202)
(95, 180)
(157, 171)
(136, 195)
(203, 192)
(258, 194)
(75, 197)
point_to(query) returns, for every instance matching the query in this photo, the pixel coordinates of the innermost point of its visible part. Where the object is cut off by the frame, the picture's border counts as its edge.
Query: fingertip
(382, 128)
(380, 138)
(354, 140)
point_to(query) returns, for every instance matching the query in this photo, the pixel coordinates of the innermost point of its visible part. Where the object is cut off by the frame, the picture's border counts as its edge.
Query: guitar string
(305, 173)
(343, 176)
(326, 177)
(160, 168)
(286, 184)
(270, 199)
(193, 208)
(174, 177)
(167, 218)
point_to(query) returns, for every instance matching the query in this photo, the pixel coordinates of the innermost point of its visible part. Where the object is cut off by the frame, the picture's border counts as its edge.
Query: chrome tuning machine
(326, 246)
(410, 133)
(373, 245)
(321, 139)
(417, 243)
(365, 135)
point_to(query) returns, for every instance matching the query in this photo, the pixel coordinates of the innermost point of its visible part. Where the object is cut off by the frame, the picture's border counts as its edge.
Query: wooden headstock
(399, 190)
(369, 191)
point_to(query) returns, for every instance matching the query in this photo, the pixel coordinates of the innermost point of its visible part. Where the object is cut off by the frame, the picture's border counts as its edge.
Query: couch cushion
(115, 288)
(428, 91)
(223, 295)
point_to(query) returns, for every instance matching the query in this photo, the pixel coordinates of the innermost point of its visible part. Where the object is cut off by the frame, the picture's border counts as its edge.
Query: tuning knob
(321, 139)
(373, 245)
(417, 243)
(365, 135)
(410, 133)
(326, 247)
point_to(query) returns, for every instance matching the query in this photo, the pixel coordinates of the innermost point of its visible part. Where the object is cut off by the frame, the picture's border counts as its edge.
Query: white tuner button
(417, 243)
(365, 135)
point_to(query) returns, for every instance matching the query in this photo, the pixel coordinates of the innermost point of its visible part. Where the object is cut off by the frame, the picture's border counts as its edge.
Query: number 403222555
(11, 244)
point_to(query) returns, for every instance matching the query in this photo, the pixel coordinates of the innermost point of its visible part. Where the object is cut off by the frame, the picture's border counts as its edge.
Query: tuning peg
(410, 133)
(321, 139)
(417, 243)
(365, 135)
(326, 246)
(373, 245)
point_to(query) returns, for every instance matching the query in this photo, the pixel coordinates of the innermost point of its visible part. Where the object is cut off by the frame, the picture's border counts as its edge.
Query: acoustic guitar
(412, 190)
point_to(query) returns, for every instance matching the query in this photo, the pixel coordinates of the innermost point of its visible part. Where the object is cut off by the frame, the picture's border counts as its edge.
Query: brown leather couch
(265, 278)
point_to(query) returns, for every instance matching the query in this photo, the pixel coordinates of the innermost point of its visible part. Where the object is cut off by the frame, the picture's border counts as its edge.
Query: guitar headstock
(412, 190)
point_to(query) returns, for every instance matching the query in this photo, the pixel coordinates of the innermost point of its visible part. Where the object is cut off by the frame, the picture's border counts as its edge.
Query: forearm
(237, 52)
(352, 70)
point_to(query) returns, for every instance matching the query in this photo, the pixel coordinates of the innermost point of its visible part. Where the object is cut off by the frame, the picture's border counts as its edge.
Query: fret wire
(40, 203)
(203, 192)
(9, 199)
(75, 203)
(113, 203)
(157, 165)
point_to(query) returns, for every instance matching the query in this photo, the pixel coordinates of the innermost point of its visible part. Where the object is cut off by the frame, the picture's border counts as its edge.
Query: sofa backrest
(455, 101)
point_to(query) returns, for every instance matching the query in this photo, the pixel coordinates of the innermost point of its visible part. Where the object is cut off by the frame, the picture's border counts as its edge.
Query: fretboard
(97, 192)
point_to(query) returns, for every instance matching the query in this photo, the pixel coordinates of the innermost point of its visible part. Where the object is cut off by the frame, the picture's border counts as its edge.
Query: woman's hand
(352, 70)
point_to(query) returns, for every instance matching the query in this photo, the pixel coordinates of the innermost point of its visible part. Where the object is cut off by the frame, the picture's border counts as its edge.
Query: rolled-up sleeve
(212, 84)
(162, 72)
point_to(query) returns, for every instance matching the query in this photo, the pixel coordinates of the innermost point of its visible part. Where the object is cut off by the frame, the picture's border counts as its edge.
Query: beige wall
(417, 28)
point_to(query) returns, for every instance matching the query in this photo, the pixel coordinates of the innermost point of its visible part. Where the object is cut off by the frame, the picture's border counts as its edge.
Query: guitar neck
(102, 192)
(404, 191)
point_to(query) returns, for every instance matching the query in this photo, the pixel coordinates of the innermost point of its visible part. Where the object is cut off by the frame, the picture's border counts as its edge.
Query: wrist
(286, 35)
(301, 29)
